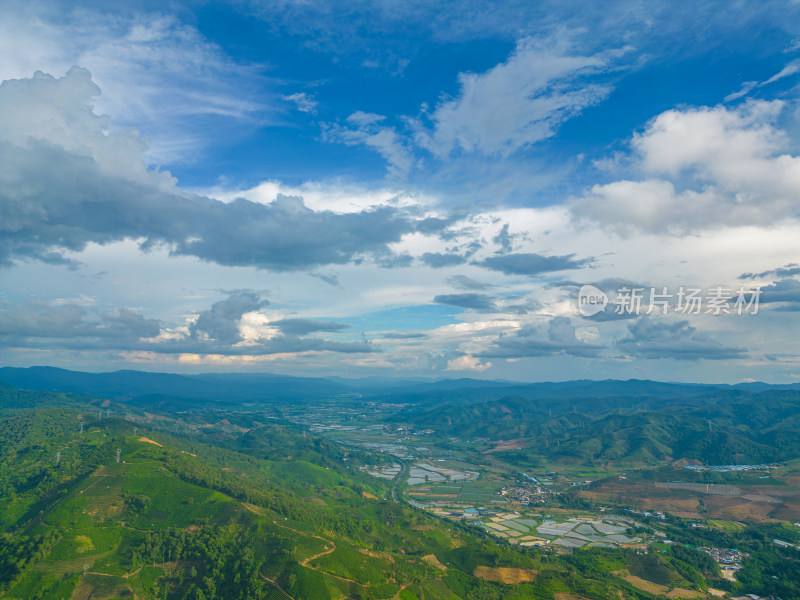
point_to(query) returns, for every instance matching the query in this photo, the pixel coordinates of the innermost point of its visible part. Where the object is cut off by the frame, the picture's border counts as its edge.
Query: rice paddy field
(467, 492)
(573, 532)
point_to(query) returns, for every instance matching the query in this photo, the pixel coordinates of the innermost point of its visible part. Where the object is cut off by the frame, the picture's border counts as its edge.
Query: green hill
(734, 426)
(91, 509)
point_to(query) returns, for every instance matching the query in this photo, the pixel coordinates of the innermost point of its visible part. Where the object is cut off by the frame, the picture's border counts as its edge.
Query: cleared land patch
(507, 575)
(434, 562)
(147, 440)
(101, 587)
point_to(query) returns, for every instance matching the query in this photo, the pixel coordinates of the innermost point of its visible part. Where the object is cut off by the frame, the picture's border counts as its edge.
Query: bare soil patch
(147, 440)
(434, 562)
(657, 589)
(508, 575)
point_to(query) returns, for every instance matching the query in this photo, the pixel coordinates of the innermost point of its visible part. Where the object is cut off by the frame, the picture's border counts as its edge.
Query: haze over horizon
(404, 189)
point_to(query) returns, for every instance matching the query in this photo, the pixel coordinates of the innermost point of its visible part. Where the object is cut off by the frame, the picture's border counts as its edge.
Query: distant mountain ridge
(716, 426)
(126, 385)
(240, 387)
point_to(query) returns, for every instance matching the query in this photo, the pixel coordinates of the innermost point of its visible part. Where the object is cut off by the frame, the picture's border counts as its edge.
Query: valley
(368, 495)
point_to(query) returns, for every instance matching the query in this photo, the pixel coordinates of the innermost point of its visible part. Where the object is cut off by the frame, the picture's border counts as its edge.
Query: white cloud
(303, 101)
(787, 71)
(67, 180)
(704, 168)
(60, 113)
(364, 129)
(467, 363)
(720, 144)
(157, 74)
(746, 88)
(790, 69)
(651, 205)
(363, 119)
(334, 195)
(518, 102)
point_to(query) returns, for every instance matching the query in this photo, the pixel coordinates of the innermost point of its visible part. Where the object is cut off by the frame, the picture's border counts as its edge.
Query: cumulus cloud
(467, 363)
(528, 342)
(531, 264)
(70, 321)
(655, 339)
(518, 102)
(221, 321)
(215, 331)
(66, 181)
(704, 167)
(158, 74)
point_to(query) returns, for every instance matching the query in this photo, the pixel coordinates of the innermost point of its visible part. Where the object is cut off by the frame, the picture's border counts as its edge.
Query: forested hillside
(94, 506)
(714, 428)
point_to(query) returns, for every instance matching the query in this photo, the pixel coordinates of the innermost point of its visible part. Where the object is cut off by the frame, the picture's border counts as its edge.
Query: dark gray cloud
(68, 326)
(655, 339)
(221, 321)
(286, 235)
(75, 204)
(126, 322)
(503, 239)
(785, 291)
(387, 260)
(438, 260)
(404, 335)
(463, 282)
(63, 188)
(790, 270)
(331, 279)
(515, 304)
(469, 301)
(528, 342)
(433, 225)
(523, 307)
(305, 326)
(68, 321)
(532, 264)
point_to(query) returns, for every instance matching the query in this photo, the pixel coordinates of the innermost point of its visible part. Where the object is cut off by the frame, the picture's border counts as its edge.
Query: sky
(518, 190)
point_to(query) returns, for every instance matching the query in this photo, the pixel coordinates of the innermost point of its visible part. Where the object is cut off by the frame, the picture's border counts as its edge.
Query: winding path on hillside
(330, 547)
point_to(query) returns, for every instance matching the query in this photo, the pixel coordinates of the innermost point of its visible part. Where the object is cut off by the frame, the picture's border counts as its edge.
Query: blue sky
(407, 188)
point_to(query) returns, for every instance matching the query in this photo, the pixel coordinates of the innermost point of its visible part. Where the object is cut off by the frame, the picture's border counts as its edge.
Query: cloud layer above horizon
(177, 195)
